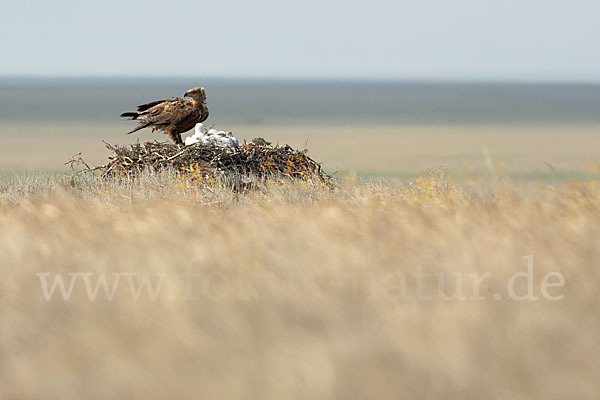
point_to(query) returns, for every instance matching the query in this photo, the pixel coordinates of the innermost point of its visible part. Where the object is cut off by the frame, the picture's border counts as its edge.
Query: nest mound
(257, 159)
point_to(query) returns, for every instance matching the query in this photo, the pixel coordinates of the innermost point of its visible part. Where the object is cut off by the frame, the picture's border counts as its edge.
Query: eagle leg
(175, 137)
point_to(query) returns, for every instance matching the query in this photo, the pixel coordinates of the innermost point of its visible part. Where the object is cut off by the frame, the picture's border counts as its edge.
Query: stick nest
(249, 161)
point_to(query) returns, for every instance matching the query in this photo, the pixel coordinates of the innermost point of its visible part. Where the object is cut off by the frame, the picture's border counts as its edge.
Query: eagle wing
(179, 115)
(144, 107)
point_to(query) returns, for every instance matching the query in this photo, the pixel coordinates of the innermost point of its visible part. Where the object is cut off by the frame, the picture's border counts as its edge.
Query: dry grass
(299, 292)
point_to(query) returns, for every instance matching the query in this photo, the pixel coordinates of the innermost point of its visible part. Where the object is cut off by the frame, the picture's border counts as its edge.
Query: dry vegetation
(242, 166)
(299, 292)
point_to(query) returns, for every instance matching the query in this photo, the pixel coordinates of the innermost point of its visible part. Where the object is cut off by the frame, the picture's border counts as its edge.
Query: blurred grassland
(305, 306)
(520, 152)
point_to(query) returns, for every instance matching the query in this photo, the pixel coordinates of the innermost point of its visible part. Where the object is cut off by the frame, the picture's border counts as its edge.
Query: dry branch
(249, 160)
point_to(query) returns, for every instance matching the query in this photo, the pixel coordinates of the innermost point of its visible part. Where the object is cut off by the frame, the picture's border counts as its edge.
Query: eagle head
(197, 94)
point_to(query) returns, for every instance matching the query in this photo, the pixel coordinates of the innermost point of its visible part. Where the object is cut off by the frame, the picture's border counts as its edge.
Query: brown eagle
(173, 116)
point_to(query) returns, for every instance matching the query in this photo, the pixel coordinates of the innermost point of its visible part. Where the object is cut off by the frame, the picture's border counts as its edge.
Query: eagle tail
(140, 126)
(131, 115)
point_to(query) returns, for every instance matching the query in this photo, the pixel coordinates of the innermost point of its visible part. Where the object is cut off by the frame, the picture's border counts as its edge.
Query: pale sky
(374, 39)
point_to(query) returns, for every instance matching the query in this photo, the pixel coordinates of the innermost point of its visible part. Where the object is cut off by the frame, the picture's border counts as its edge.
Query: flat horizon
(305, 79)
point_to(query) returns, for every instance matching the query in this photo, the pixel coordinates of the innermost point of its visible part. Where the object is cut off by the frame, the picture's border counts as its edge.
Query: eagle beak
(185, 94)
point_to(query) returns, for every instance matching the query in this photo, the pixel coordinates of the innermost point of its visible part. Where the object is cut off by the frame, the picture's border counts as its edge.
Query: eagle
(173, 116)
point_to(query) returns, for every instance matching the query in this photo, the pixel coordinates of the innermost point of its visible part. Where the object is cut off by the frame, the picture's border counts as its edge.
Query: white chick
(213, 136)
